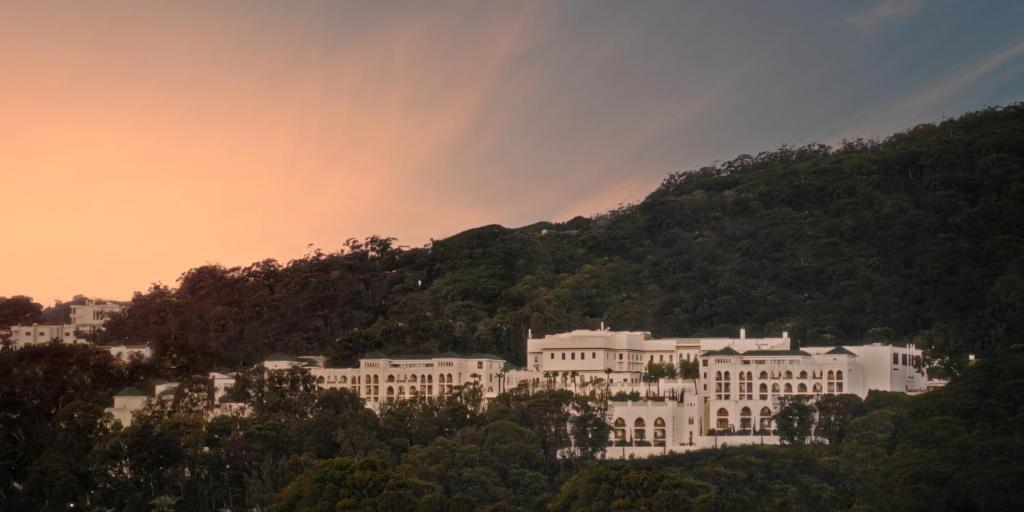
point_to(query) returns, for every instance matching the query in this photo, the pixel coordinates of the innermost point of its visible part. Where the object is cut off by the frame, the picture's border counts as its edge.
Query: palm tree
(501, 381)
(574, 375)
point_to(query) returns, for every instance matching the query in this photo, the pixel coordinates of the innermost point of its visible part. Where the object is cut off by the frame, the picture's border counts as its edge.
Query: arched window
(763, 376)
(639, 430)
(746, 421)
(723, 419)
(430, 379)
(727, 376)
(817, 388)
(801, 388)
(839, 375)
(659, 432)
(401, 391)
(376, 379)
(620, 429)
(750, 376)
(763, 392)
(343, 379)
(391, 391)
(391, 378)
(412, 378)
(775, 389)
(803, 375)
(789, 389)
(831, 375)
(449, 378)
(718, 375)
(766, 418)
(789, 374)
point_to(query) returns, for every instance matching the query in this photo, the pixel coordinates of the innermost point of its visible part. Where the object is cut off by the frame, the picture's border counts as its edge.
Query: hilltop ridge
(914, 238)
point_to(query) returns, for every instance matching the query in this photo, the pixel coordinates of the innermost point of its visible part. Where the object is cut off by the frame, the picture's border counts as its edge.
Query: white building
(735, 393)
(128, 352)
(126, 402)
(731, 401)
(381, 378)
(132, 399)
(93, 314)
(85, 318)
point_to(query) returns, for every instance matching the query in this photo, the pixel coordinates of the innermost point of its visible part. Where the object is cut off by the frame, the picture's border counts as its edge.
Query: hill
(915, 238)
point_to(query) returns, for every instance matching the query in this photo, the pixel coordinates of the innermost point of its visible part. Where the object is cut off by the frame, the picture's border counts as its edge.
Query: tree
(834, 413)
(19, 310)
(794, 419)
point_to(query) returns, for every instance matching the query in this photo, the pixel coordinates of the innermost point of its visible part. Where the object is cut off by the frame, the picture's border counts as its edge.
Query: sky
(141, 139)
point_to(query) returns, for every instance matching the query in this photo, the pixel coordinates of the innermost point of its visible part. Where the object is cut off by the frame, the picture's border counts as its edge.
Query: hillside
(918, 237)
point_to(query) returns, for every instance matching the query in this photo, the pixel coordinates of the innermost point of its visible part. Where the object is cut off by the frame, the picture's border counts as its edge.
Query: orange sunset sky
(139, 139)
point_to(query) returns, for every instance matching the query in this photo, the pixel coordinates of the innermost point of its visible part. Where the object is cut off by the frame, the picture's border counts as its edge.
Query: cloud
(936, 98)
(884, 11)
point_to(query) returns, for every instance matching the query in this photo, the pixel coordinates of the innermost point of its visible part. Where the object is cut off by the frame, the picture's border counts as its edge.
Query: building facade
(85, 318)
(737, 389)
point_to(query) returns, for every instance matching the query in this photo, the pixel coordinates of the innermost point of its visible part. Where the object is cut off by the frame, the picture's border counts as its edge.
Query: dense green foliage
(917, 238)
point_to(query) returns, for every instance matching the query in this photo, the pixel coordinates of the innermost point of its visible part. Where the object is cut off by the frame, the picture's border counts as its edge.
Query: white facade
(731, 401)
(92, 315)
(24, 335)
(85, 318)
(380, 379)
(734, 395)
(128, 352)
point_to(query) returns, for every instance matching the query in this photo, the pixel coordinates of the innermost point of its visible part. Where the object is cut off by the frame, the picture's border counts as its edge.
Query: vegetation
(916, 238)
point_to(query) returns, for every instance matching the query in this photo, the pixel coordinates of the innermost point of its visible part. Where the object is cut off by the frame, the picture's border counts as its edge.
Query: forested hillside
(915, 238)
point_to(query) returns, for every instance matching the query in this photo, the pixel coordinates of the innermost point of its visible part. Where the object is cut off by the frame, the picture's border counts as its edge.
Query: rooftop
(130, 391)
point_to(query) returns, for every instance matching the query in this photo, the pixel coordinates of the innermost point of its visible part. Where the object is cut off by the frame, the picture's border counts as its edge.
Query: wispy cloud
(936, 98)
(885, 10)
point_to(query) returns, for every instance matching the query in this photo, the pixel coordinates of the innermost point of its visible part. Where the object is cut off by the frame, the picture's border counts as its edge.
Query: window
(573, 356)
(763, 376)
(583, 355)
(563, 356)
(552, 355)
(904, 359)
(803, 375)
(639, 430)
(620, 357)
(766, 418)
(620, 429)
(479, 365)
(659, 432)
(593, 355)
(746, 421)
(789, 389)
(723, 419)
(895, 358)
(661, 359)
(801, 388)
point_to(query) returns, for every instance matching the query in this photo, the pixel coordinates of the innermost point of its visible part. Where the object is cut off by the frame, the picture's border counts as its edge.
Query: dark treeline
(304, 450)
(916, 238)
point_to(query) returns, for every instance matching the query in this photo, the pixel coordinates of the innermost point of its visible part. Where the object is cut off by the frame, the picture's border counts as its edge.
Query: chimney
(785, 335)
(529, 334)
(743, 333)
(602, 325)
